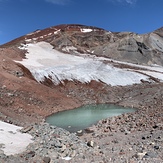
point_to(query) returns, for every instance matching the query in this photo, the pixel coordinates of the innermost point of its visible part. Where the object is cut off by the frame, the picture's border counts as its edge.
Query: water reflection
(85, 116)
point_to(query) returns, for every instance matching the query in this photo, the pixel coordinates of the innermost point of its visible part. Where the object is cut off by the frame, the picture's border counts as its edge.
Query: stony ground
(128, 138)
(134, 137)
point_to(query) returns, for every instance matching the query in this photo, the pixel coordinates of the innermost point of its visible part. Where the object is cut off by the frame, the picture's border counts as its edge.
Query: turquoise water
(85, 116)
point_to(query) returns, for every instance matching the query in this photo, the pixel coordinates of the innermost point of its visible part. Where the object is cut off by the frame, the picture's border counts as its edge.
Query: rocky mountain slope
(84, 53)
(74, 59)
(143, 49)
(66, 66)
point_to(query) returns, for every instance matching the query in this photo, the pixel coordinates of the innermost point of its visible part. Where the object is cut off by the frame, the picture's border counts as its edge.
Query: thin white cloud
(58, 2)
(130, 2)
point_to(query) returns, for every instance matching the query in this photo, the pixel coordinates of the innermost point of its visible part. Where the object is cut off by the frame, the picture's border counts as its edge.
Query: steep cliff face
(144, 49)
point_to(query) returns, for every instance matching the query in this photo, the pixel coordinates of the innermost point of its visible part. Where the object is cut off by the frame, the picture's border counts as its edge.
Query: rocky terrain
(123, 46)
(133, 137)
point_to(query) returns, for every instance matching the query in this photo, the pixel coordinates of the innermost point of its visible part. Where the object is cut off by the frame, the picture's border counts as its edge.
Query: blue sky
(19, 17)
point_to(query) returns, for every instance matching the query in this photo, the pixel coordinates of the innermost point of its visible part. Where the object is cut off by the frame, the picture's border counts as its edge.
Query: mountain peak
(54, 32)
(81, 39)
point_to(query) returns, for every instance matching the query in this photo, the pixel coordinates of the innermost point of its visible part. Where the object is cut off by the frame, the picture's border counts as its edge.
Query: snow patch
(67, 158)
(45, 62)
(86, 30)
(35, 39)
(49, 34)
(109, 32)
(156, 75)
(23, 46)
(12, 140)
(28, 40)
(69, 48)
(56, 32)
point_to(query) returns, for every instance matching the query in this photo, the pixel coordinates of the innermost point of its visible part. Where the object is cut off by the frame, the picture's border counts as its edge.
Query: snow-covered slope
(45, 62)
(13, 141)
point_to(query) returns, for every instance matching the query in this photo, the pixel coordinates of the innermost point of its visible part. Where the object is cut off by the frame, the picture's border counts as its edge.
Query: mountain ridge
(144, 49)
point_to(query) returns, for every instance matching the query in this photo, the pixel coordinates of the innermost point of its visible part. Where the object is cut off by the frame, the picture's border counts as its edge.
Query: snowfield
(86, 30)
(45, 62)
(11, 140)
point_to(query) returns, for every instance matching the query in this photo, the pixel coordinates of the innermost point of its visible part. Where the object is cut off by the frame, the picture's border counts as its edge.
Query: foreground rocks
(52, 144)
(131, 137)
